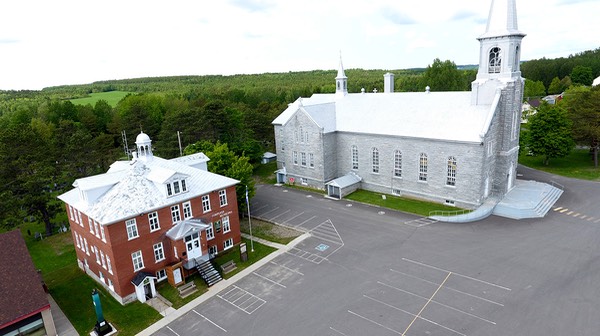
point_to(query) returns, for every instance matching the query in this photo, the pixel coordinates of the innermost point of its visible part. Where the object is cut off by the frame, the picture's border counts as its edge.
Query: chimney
(388, 83)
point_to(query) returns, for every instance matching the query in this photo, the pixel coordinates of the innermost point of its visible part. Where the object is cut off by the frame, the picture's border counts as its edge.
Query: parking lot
(366, 271)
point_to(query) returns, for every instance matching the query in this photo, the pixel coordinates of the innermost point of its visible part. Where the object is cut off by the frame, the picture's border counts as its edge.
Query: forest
(47, 141)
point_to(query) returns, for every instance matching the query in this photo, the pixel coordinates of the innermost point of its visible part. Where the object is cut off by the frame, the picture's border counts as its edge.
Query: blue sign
(322, 247)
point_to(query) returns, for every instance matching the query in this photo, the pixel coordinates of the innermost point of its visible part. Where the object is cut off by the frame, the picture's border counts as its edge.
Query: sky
(48, 43)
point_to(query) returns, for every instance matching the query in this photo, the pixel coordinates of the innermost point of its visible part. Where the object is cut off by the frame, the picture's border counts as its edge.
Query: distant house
(24, 306)
(553, 99)
(149, 219)
(596, 81)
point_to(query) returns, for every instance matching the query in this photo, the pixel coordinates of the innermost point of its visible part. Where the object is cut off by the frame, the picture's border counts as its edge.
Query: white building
(449, 147)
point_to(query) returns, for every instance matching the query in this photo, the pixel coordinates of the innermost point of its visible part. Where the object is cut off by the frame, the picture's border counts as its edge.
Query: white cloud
(45, 43)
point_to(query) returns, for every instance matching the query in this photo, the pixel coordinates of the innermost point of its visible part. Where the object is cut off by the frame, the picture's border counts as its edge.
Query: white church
(457, 148)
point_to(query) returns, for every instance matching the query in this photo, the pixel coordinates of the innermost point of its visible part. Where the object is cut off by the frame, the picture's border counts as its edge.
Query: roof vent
(362, 90)
(427, 89)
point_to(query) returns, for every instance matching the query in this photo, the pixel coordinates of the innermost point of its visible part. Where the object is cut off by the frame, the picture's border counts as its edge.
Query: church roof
(134, 187)
(433, 115)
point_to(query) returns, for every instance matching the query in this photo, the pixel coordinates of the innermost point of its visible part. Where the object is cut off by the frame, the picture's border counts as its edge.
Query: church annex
(449, 147)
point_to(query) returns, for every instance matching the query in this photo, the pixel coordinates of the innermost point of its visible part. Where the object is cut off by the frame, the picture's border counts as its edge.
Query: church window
(495, 60)
(490, 148)
(296, 136)
(295, 156)
(338, 85)
(451, 178)
(303, 159)
(354, 157)
(423, 167)
(517, 57)
(515, 125)
(375, 160)
(306, 137)
(397, 163)
(301, 135)
(311, 160)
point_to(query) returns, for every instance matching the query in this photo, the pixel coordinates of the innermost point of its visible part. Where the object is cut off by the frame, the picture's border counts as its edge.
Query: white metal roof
(502, 19)
(345, 181)
(433, 115)
(135, 192)
(596, 81)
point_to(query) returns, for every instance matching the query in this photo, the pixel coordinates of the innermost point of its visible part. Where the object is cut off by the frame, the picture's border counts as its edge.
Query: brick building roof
(21, 292)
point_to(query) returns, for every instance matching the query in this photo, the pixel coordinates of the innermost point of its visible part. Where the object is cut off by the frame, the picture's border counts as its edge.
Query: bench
(228, 267)
(186, 289)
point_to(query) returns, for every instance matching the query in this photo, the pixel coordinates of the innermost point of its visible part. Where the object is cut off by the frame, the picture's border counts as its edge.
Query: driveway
(369, 271)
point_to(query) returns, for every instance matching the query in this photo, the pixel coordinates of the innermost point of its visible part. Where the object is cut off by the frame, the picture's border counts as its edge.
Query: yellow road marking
(425, 306)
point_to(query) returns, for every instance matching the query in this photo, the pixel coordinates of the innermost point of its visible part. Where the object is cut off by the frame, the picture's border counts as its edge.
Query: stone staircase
(534, 200)
(208, 272)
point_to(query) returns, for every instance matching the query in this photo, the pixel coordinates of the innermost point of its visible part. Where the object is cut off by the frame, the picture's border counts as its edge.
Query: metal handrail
(448, 213)
(557, 185)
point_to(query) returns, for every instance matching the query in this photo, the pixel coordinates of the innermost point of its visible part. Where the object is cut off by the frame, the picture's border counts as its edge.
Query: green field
(112, 98)
(578, 164)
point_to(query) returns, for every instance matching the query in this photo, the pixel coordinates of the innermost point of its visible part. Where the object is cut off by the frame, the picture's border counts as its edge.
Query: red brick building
(150, 219)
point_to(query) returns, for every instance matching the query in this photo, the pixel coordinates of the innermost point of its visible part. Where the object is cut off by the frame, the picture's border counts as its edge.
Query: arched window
(354, 158)
(423, 167)
(495, 63)
(517, 58)
(397, 163)
(451, 178)
(375, 160)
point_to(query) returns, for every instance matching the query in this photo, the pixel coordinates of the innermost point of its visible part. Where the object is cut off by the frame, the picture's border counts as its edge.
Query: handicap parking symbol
(322, 247)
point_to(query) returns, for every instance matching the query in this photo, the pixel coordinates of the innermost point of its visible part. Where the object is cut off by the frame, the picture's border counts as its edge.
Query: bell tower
(500, 52)
(341, 81)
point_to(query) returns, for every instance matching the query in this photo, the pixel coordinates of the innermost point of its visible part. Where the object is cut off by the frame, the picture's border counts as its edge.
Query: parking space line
(173, 331)
(244, 293)
(281, 214)
(557, 209)
(427, 303)
(291, 219)
(262, 207)
(211, 322)
(268, 212)
(457, 274)
(273, 281)
(287, 268)
(450, 288)
(306, 221)
(377, 323)
(337, 331)
(439, 303)
(411, 314)
(564, 210)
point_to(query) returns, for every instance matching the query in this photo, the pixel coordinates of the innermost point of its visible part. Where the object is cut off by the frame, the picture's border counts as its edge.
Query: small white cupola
(144, 147)
(341, 81)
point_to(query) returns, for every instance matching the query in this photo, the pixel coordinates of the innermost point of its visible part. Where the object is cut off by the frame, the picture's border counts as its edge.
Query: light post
(249, 221)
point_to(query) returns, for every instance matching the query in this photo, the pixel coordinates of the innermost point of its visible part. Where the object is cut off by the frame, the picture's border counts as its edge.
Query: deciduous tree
(549, 132)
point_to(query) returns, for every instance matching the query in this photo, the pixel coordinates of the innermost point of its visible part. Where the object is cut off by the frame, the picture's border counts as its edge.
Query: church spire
(341, 81)
(502, 20)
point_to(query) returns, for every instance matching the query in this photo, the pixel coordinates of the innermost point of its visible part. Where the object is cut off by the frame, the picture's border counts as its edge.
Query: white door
(177, 275)
(192, 246)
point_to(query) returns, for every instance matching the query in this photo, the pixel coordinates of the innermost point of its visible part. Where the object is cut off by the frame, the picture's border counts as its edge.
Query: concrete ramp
(528, 199)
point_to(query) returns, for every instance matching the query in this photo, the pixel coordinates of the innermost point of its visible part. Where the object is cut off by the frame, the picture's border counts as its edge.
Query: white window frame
(97, 228)
(210, 232)
(102, 259)
(175, 214)
(109, 264)
(490, 148)
(375, 160)
(354, 156)
(451, 169)
(102, 234)
(223, 197)
(91, 224)
(137, 260)
(398, 163)
(71, 213)
(311, 160)
(423, 166)
(153, 221)
(303, 181)
(159, 252)
(97, 254)
(110, 285)
(226, 224)
(227, 244)
(101, 276)
(206, 203)
(303, 159)
(87, 250)
(132, 231)
(187, 210)
(77, 239)
(79, 216)
(161, 275)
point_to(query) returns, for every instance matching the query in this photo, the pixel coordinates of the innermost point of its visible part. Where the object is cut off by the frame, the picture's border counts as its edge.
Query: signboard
(243, 252)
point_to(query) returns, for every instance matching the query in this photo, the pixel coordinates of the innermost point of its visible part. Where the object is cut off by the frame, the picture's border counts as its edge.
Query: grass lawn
(578, 164)
(265, 173)
(268, 231)
(172, 294)
(260, 251)
(71, 288)
(112, 98)
(398, 203)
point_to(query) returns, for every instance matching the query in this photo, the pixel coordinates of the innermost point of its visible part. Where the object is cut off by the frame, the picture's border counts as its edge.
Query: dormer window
(176, 187)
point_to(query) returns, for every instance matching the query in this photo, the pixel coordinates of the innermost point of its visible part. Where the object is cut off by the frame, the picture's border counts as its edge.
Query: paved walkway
(214, 290)
(61, 322)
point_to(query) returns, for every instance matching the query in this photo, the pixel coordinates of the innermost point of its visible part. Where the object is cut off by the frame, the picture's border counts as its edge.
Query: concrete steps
(208, 272)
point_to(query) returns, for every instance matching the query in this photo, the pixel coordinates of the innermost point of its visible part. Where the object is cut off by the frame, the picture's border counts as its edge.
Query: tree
(534, 89)
(549, 132)
(225, 162)
(582, 75)
(583, 105)
(555, 87)
(442, 76)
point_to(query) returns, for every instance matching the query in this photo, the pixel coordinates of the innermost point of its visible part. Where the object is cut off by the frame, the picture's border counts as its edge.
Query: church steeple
(341, 81)
(500, 51)
(144, 147)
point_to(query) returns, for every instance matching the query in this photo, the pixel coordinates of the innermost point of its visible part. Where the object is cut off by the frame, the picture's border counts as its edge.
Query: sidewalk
(62, 324)
(214, 290)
